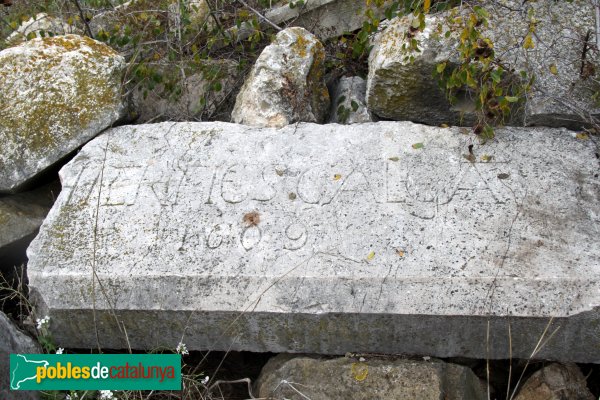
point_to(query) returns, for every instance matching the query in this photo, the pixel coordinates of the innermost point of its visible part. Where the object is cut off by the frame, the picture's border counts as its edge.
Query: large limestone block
(286, 84)
(564, 86)
(379, 237)
(57, 93)
(300, 378)
(13, 341)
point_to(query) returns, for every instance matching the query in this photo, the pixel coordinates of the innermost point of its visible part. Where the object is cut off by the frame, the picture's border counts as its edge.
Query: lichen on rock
(286, 84)
(56, 94)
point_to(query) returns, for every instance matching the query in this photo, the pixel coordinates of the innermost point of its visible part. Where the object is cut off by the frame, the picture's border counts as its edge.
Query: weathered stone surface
(348, 105)
(40, 25)
(561, 95)
(12, 340)
(22, 214)
(194, 95)
(56, 93)
(376, 237)
(345, 378)
(324, 18)
(286, 84)
(20, 217)
(556, 382)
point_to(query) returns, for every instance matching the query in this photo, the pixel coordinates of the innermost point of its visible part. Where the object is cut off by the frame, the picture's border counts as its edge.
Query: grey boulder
(556, 382)
(13, 341)
(299, 378)
(401, 85)
(57, 93)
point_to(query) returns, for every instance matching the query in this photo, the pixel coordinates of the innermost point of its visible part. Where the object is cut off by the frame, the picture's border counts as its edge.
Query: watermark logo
(95, 371)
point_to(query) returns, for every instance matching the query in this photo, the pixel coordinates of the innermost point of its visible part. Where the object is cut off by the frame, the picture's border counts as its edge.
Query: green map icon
(23, 369)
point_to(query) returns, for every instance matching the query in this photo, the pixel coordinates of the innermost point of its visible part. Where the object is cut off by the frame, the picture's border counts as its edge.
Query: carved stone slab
(383, 237)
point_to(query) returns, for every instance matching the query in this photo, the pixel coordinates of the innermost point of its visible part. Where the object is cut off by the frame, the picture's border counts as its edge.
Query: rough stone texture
(20, 217)
(326, 239)
(398, 89)
(348, 104)
(300, 378)
(286, 84)
(556, 382)
(40, 25)
(197, 98)
(56, 93)
(12, 340)
(324, 18)
(22, 214)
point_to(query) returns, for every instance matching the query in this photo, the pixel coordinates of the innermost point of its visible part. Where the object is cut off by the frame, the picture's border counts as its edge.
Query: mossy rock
(56, 93)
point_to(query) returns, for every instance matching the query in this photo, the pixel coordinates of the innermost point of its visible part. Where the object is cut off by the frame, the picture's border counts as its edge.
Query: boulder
(22, 214)
(564, 86)
(195, 92)
(385, 237)
(286, 84)
(348, 105)
(57, 93)
(12, 340)
(40, 25)
(20, 218)
(300, 378)
(326, 19)
(556, 382)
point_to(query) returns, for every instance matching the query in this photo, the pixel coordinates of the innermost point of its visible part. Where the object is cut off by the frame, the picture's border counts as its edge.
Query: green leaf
(418, 146)
(441, 67)
(496, 75)
(354, 105)
(511, 99)
(481, 12)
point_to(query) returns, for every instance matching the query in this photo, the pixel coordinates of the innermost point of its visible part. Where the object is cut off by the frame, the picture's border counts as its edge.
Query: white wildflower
(60, 350)
(205, 380)
(42, 322)
(106, 395)
(182, 349)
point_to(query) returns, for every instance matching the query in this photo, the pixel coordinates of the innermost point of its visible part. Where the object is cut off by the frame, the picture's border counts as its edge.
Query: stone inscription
(345, 201)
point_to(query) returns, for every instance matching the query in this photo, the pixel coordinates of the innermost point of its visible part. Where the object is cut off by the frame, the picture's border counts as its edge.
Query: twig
(596, 5)
(267, 20)
(87, 26)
